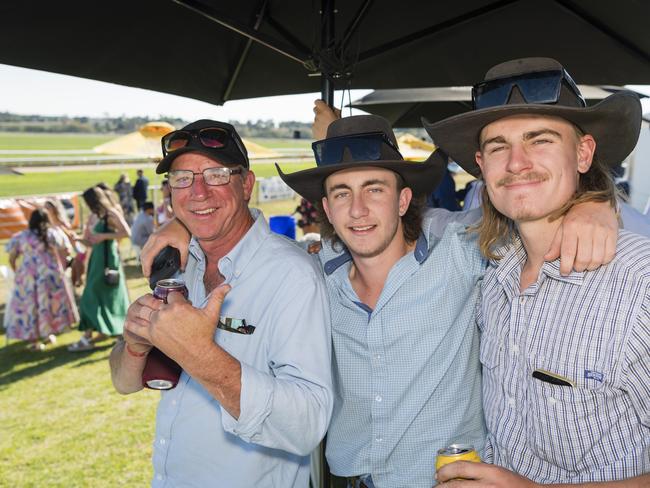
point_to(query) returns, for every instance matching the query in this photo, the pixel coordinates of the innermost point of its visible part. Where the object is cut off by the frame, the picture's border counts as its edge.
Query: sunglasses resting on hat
(538, 87)
(361, 147)
(209, 137)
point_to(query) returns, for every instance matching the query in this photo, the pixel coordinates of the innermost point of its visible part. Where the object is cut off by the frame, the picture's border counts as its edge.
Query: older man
(566, 359)
(252, 402)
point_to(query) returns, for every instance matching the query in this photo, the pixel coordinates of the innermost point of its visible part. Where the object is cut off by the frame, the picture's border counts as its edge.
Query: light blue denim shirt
(286, 391)
(407, 374)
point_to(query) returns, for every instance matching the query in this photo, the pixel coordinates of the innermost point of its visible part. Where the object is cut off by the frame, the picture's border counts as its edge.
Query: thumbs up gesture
(183, 332)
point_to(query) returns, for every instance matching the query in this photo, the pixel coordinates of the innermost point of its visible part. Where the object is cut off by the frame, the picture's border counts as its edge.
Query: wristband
(133, 353)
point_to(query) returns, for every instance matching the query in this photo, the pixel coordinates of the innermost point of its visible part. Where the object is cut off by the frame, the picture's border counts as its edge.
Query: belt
(364, 481)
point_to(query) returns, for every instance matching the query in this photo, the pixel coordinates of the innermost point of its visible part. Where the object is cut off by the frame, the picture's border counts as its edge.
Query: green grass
(69, 180)
(26, 140)
(63, 425)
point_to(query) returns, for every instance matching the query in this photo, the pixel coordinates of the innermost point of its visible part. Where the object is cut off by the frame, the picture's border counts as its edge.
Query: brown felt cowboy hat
(358, 141)
(539, 86)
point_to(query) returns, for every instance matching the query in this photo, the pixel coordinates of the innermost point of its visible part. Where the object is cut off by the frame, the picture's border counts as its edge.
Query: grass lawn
(60, 180)
(63, 425)
(28, 140)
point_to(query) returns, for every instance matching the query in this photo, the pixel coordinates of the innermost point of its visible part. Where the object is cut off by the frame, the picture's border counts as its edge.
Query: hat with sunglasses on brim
(539, 86)
(359, 141)
(216, 140)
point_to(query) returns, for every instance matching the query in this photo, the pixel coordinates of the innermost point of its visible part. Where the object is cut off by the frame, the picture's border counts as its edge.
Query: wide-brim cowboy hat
(614, 122)
(421, 177)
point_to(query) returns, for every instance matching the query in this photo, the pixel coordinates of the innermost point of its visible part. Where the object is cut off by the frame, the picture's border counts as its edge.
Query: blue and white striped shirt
(592, 328)
(407, 376)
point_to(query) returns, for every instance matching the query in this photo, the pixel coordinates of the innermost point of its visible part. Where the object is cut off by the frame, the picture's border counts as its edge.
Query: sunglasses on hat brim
(361, 147)
(209, 137)
(542, 87)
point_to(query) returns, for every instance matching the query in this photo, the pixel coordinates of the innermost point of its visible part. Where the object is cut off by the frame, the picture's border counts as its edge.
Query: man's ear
(478, 157)
(326, 208)
(405, 197)
(586, 150)
(248, 183)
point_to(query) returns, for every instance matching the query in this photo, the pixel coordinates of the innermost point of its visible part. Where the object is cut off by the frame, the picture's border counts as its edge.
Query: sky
(32, 92)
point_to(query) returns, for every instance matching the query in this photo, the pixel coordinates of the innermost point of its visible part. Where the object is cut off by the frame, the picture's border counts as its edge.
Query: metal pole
(327, 43)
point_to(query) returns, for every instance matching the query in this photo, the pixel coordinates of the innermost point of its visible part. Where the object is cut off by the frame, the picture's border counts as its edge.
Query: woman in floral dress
(39, 307)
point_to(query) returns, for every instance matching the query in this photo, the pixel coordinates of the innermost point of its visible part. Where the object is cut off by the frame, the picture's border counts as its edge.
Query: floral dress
(41, 303)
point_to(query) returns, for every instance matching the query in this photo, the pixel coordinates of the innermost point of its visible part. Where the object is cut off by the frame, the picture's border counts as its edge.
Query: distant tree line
(117, 125)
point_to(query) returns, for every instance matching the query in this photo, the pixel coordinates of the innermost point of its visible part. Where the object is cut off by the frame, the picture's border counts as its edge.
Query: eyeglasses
(183, 178)
(362, 147)
(209, 137)
(541, 87)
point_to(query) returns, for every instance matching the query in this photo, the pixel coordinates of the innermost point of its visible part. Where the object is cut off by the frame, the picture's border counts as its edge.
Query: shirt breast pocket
(567, 424)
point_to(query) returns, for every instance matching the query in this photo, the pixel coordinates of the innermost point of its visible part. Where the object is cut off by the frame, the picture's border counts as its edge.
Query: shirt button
(378, 398)
(159, 477)
(511, 401)
(377, 357)
(379, 438)
(515, 348)
(162, 442)
(522, 299)
(174, 402)
(552, 401)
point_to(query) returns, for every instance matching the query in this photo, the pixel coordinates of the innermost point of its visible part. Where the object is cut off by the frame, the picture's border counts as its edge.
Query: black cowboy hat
(421, 177)
(614, 123)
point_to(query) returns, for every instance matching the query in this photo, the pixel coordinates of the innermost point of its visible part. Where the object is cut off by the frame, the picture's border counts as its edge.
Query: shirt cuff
(255, 403)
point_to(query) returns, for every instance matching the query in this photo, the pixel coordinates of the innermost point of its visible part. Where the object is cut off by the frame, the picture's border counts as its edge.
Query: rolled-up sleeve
(289, 405)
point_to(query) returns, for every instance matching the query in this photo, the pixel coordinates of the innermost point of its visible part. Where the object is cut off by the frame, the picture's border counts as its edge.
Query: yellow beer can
(456, 452)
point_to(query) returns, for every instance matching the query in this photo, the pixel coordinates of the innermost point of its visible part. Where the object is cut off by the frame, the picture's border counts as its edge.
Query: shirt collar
(233, 264)
(420, 253)
(513, 258)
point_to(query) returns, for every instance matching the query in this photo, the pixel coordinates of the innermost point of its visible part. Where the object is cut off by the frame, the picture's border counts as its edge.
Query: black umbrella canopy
(199, 48)
(404, 108)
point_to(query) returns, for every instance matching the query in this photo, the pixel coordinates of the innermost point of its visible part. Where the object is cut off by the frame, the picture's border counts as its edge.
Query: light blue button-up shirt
(286, 392)
(407, 375)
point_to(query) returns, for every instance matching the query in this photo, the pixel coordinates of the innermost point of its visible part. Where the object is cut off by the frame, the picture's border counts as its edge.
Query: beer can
(165, 287)
(456, 452)
(161, 372)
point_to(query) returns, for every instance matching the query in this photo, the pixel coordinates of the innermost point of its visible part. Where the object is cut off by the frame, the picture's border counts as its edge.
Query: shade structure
(404, 108)
(202, 49)
(145, 143)
(414, 148)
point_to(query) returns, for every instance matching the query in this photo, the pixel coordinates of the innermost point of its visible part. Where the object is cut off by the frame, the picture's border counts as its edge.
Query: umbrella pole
(327, 43)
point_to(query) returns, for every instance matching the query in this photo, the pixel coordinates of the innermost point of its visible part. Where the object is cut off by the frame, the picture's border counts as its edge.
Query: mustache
(533, 176)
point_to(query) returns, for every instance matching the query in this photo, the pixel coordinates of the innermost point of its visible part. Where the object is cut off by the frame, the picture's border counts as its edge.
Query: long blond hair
(495, 229)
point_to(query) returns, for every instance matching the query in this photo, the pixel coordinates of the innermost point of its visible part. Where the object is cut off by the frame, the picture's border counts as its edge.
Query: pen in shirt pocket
(552, 378)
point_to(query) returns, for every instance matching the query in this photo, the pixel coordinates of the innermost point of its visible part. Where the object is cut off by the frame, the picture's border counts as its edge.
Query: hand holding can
(160, 371)
(456, 452)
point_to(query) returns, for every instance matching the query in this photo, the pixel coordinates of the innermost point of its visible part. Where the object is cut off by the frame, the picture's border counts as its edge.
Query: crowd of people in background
(50, 259)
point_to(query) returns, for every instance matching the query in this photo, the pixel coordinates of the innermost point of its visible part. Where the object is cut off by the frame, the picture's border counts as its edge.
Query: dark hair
(147, 206)
(97, 201)
(411, 220)
(39, 222)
